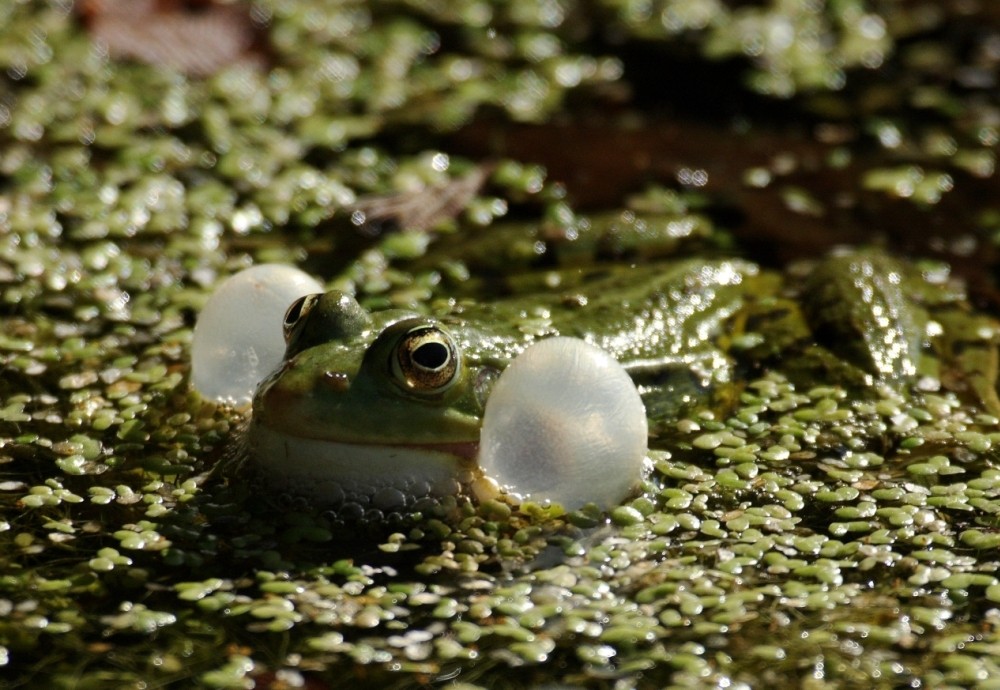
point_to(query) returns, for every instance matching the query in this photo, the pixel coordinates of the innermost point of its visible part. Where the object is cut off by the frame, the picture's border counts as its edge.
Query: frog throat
(322, 468)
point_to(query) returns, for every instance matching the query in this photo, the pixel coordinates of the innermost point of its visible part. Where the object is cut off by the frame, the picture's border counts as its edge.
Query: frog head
(385, 399)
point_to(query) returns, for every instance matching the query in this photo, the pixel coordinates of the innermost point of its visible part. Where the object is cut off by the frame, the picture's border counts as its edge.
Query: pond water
(813, 520)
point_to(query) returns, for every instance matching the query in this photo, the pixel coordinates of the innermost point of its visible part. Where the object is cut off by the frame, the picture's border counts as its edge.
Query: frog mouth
(468, 450)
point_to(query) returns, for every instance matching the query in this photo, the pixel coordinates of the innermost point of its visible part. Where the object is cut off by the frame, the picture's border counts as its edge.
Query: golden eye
(426, 360)
(297, 312)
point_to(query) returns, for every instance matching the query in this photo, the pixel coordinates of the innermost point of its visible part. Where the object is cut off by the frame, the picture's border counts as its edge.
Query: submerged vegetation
(800, 533)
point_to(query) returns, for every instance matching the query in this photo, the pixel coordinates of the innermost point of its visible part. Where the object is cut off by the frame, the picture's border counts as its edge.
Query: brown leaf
(197, 37)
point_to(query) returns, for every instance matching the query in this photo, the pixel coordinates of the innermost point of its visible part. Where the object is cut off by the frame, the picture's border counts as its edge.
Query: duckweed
(795, 533)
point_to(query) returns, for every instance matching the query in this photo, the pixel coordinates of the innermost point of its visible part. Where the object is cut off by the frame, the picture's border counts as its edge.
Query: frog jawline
(324, 469)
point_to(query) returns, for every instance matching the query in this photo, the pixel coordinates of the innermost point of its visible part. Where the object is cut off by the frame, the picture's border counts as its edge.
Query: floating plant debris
(197, 37)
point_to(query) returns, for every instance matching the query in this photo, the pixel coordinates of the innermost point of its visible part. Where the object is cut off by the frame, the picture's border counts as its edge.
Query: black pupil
(430, 355)
(294, 311)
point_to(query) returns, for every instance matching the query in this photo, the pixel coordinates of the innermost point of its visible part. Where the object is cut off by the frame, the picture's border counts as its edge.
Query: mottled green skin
(685, 330)
(342, 388)
(861, 302)
(884, 323)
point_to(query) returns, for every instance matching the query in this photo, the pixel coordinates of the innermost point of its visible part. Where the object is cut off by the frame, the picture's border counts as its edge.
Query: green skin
(338, 382)
(687, 331)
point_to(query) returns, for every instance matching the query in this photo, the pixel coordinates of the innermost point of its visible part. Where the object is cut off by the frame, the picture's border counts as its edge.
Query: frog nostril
(337, 381)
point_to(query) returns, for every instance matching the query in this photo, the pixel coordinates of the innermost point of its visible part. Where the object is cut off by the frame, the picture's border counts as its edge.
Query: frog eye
(426, 360)
(297, 313)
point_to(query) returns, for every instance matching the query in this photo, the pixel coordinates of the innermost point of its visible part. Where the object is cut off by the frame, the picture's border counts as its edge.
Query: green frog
(391, 402)
(379, 407)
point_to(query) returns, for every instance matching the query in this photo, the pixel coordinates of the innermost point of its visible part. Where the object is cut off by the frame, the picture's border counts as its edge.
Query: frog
(379, 406)
(376, 408)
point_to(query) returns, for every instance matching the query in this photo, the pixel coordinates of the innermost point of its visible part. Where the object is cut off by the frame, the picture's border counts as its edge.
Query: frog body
(387, 405)
(395, 399)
